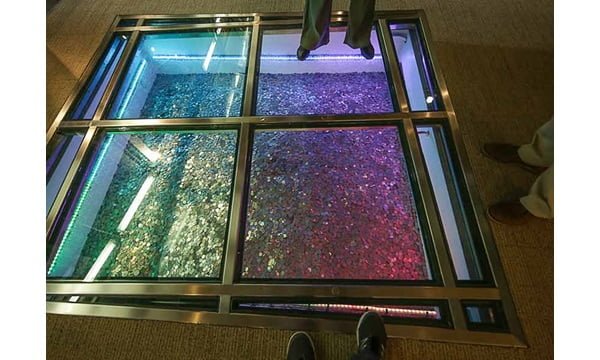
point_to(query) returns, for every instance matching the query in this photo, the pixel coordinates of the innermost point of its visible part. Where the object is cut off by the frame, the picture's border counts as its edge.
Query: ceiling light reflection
(209, 54)
(136, 203)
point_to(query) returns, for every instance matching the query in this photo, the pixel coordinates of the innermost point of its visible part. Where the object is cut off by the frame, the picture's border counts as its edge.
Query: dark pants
(365, 355)
(317, 13)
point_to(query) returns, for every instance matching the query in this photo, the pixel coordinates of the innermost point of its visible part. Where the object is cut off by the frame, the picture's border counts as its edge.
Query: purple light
(323, 93)
(394, 311)
(332, 204)
(263, 57)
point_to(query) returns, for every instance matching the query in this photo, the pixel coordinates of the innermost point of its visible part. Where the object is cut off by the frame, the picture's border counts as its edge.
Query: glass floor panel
(332, 204)
(334, 79)
(61, 152)
(88, 102)
(448, 195)
(417, 74)
(485, 316)
(153, 205)
(185, 75)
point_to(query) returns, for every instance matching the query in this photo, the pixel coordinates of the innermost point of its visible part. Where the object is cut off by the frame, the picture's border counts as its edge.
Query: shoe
(300, 347)
(302, 53)
(509, 213)
(370, 334)
(509, 154)
(368, 52)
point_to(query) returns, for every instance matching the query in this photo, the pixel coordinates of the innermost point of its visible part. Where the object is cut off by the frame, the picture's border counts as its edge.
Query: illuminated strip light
(231, 95)
(242, 59)
(354, 308)
(98, 264)
(237, 80)
(151, 155)
(136, 203)
(218, 20)
(82, 196)
(229, 103)
(130, 91)
(379, 309)
(210, 56)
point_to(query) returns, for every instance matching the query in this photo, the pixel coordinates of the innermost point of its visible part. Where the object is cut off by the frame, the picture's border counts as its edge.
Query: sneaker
(509, 213)
(368, 52)
(302, 53)
(509, 154)
(370, 334)
(300, 347)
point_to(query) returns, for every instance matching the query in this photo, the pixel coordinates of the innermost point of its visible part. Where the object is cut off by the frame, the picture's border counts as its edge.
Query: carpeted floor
(497, 57)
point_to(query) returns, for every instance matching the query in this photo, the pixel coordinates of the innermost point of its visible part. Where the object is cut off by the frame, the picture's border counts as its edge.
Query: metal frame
(450, 290)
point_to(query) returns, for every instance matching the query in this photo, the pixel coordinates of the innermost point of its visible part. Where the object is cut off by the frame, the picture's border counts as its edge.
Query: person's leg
(537, 157)
(315, 26)
(534, 157)
(365, 355)
(539, 203)
(540, 200)
(300, 347)
(360, 23)
(371, 337)
(540, 152)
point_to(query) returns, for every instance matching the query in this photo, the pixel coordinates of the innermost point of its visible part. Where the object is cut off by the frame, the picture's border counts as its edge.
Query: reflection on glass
(153, 204)
(127, 22)
(60, 154)
(190, 74)
(92, 94)
(334, 79)
(417, 73)
(386, 311)
(447, 196)
(332, 204)
(197, 303)
(485, 315)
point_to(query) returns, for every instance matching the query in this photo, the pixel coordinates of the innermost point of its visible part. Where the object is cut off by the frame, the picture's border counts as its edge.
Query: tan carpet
(497, 57)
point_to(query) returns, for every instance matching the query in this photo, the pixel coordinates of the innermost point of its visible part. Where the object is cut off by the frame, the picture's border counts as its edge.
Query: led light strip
(210, 56)
(82, 196)
(355, 308)
(423, 313)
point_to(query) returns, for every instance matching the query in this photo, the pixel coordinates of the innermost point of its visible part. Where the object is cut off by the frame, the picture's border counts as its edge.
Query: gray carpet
(497, 57)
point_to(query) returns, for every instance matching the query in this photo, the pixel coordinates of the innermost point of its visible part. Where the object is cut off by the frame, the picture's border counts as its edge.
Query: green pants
(315, 28)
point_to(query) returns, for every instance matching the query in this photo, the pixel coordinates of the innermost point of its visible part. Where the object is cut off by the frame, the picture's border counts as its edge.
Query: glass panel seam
(238, 198)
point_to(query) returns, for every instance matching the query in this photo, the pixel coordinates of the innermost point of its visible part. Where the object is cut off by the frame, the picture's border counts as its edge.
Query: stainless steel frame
(228, 288)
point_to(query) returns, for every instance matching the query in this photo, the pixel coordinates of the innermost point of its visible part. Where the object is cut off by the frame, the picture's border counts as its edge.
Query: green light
(82, 197)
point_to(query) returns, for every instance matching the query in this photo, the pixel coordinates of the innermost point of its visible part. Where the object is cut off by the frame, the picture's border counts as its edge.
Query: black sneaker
(368, 52)
(300, 347)
(302, 53)
(370, 334)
